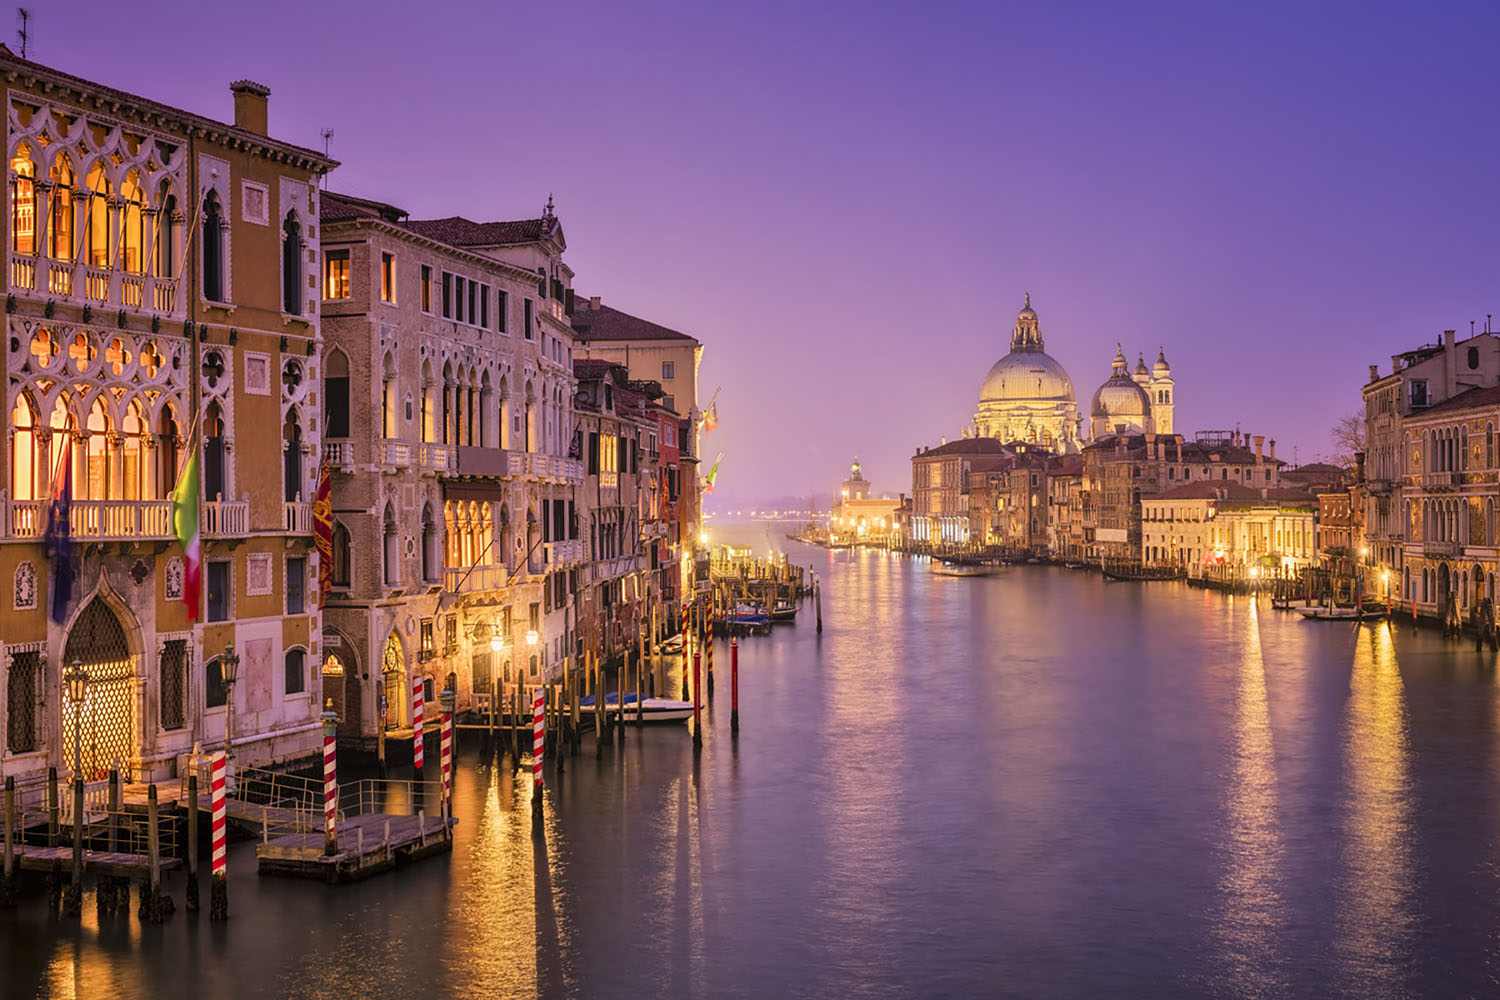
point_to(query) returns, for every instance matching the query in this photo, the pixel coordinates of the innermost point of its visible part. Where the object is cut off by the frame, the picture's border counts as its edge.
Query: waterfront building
(1120, 470)
(651, 352)
(161, 296)
(448, 398)
(1448, 497)
(1022, 504)
(618, 428)
(940, 488)
(858, 518)
(1065, 508)
(1230, 528)
(1419, 380)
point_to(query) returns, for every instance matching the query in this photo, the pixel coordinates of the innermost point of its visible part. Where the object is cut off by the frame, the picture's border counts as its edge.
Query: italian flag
(185, 525)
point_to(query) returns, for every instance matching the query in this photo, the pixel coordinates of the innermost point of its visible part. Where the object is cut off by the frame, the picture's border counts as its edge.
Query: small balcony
(297, 517)
(437, 457)
(474, 579)
(395, 454)
(562, 553)
(339, 454)
(226, 518)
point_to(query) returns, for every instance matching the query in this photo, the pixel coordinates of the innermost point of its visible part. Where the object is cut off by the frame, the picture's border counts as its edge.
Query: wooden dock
(31, 857)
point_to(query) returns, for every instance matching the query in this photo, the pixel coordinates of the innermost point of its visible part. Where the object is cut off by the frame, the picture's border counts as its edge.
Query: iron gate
(104, 723)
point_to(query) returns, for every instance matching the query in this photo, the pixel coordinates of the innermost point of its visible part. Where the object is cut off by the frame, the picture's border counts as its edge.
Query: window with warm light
(426, 289)
(387, 277)
(23, 202)
(336, 274)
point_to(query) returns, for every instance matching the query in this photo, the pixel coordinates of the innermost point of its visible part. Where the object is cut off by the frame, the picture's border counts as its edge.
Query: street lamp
(229, 670)
(531, 637)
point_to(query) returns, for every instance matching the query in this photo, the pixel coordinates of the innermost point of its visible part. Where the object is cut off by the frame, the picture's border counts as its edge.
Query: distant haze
(847, 201)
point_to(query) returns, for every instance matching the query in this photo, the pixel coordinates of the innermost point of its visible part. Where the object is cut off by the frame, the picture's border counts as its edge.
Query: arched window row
(122, 450)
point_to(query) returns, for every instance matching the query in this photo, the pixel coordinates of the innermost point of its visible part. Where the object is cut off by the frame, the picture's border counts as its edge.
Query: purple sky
(845, 202)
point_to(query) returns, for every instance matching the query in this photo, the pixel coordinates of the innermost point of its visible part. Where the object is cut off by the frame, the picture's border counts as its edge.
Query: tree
(1348, 436)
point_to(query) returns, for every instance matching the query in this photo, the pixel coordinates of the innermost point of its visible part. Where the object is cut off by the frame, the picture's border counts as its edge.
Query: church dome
(1026, 375)
(1121, 400)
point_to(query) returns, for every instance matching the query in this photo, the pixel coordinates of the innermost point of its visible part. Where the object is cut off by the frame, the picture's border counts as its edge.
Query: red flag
(322, 512)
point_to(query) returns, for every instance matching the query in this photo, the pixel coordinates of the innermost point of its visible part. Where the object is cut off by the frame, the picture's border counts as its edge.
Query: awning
(455, 489)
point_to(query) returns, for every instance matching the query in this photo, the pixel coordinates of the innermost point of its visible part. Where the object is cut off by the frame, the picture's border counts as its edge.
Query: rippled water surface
(1037, 784)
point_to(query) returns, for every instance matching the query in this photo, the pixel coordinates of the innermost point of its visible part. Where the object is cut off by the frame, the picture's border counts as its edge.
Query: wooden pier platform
(31, 857)
(367, 845)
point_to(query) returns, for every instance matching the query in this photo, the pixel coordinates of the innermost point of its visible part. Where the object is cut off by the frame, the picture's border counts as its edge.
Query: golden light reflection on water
(1251, 911)
(1373, 921)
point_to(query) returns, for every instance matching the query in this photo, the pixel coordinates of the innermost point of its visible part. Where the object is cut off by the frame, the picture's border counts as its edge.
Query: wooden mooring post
(73, 895)
(155, 907)
(191, 848)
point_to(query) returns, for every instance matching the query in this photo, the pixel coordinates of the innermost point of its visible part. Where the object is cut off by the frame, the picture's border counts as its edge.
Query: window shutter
(593, 453)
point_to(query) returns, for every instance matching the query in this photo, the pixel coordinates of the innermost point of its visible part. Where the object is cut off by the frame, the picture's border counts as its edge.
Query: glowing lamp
(77, 681)
(531, 637)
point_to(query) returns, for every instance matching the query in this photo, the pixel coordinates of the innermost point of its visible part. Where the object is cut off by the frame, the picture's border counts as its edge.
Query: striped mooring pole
(416, 725)
(218, 902)
(708, 655)
(330, 781)
(446, 759)
(538, 734)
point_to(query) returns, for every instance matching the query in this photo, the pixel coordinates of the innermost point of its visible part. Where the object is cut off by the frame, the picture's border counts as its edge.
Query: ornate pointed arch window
(60, 228)
(132, 224)
(23, 202)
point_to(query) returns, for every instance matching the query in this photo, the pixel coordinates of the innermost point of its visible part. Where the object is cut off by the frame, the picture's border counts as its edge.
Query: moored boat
(784, 611)
(651, 709)
(963, 567)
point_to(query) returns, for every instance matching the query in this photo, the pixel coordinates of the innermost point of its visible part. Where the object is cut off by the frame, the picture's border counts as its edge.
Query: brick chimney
(1260, 441)
(250, 106)
(1374, 372)
(1272, 443)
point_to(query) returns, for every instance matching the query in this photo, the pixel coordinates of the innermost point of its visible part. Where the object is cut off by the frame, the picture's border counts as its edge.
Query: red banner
(323, 529)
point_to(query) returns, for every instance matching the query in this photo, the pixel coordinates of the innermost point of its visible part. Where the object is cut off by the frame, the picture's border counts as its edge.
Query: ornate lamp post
(229, 669)
(77, 682)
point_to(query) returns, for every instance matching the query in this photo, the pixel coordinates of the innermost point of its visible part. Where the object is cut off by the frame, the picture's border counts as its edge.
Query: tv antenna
(25, 35)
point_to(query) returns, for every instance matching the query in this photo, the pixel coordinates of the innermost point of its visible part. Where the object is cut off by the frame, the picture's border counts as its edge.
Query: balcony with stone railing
(474, 579)
(297, 517)
(437, 457)
(562, 553)
(339, 454)
(93, 520)
(100, 286)
(226, 518)
(395, 454)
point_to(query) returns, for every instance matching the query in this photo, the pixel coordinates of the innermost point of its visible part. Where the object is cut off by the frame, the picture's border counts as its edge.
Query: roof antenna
(25, 35)
(327, 134)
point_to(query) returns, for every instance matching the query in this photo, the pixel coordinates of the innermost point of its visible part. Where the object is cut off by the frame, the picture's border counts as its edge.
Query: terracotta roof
(967, 446)
(1230, 492)
(1488, 395)
(336, 207)
(593, 367)
(605, 323)
(460, 232)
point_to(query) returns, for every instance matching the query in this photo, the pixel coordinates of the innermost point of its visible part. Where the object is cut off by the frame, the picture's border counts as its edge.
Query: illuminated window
(387, 277)
(336, 274)
(27, 461)
(166, 235)
(23, 202)
(60, 231)
(132, 224)
(97, 213)
(426, 289)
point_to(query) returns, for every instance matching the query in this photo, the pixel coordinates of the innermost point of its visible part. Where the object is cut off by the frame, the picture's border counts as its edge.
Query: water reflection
(1251, 915)
(1374, 923)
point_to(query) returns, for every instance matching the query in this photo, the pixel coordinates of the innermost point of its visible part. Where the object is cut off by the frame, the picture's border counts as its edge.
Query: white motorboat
(652, 709)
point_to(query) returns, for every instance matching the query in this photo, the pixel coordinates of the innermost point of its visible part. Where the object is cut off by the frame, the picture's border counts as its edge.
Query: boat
(1132, 573)
(963, 567)
(1340, 612)
(652, 709)
(745, 616)
(784, 611)
(672, 645)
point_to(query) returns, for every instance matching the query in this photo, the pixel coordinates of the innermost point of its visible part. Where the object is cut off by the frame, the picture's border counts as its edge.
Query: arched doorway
(393, 684)
(104, 723)
(1476, 589)
(1443, 586)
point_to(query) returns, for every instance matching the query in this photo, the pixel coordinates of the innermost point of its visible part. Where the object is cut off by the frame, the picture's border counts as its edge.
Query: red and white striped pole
(330, 781)
(416, 725)
(447, 754)
(218, 904)
(538, 735)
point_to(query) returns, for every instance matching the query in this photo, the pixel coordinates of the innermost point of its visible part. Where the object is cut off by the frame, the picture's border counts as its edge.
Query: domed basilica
(1027, 395)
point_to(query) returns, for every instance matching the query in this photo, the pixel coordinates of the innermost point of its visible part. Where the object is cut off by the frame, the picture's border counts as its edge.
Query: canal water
(1033, 785)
